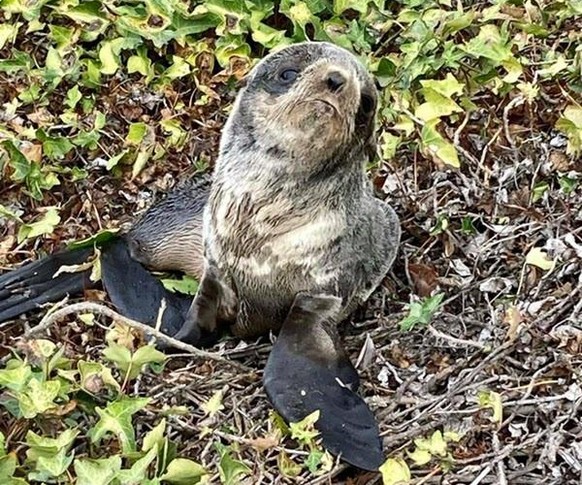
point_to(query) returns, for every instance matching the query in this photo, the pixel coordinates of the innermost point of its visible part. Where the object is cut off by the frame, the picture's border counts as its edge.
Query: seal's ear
(366, 120)
(309, 371)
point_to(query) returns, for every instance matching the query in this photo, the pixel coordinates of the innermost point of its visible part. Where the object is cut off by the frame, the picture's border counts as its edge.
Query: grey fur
(291, 209)
(168, 237)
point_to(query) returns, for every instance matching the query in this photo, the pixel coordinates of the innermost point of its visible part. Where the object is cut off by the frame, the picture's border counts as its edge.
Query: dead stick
(100, 309)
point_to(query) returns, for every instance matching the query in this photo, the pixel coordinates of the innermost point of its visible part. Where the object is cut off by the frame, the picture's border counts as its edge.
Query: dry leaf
(513, 319)
(424, 278)
(538, 257)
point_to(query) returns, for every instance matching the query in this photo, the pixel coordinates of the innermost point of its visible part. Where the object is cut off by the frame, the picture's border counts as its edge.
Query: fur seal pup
(292, 239)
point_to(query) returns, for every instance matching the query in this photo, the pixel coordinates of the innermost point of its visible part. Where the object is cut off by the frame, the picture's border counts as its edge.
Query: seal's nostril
(335, 80)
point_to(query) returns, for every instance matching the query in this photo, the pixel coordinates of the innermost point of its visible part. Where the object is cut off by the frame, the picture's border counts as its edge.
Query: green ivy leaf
(8, 464)
(567, 184)
(138, 472)
(435, 146)
(17, 161)
(56, 148)
(42, 444)
(96, 240)
(113, 161)
(110, 51)
(340, 6)
(304, 431)
(177, 135)
(489, 44)
(38, 397)
(155, 437)
(62, 36)
(97, 472)
(46, 225)
(146, 355)
(179, 68)
(132, 364)
(136, 133)
(436, 106)
(187, 285)
(445, 87)
(318, 462)
(8, 33)
(16, 377)
(116, 419)
(570, 123)
(230, 470)
(421, 313)
(184, 472)
(52, 466)
(141, 63)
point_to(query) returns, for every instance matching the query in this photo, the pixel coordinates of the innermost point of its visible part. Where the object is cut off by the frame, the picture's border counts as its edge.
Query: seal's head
(313, 101)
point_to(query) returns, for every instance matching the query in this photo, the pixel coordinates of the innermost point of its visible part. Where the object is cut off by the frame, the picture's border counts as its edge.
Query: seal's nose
(335, 81)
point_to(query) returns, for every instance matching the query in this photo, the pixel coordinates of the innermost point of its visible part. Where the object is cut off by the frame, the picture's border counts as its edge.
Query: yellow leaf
(435, 146)
(514, 70)
(8, 33)
(405, 124)
(87, 318)
(538, 257)
(45, 225)
(300, 13)
(438, 446)
(445, 87)
(490, 399)
(420, 457)
(287, 466)
(436, 106)
(395, 472)
(304, 431)
(213, 405)
(452, 436)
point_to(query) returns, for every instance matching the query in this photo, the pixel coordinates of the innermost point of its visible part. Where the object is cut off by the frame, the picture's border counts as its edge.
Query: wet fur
(291, 210)
(168, 237)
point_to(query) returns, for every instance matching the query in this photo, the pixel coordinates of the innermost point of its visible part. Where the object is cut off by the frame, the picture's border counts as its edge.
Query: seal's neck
(273, 171)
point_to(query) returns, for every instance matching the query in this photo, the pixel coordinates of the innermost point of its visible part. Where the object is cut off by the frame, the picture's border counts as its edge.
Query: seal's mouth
(320, 101)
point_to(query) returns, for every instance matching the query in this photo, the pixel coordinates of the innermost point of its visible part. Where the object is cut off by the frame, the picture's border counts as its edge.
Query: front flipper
(308, 370)
(203, 313)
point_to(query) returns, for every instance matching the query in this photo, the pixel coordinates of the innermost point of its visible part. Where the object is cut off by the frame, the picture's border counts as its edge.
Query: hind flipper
(137, 294)
(308, 370)
(32, 285)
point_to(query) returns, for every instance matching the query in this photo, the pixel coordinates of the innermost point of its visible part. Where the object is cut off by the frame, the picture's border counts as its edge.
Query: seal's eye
(367, 104)
(288, 75)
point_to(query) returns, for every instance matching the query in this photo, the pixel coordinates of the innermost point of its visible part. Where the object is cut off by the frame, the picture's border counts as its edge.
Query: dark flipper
(302, 375)
(137, 294)
(28, 287)
(133, 290)
(203, 312)
(167, 237)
